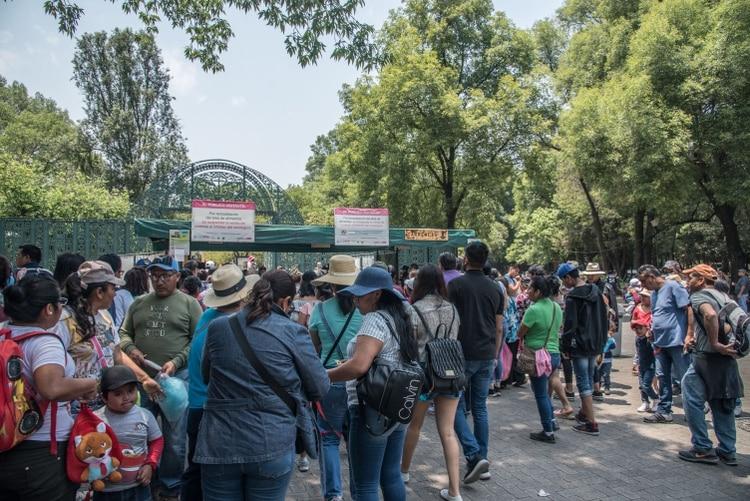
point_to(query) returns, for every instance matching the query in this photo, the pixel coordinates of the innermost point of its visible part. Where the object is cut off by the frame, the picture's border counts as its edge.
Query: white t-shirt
(46, 350)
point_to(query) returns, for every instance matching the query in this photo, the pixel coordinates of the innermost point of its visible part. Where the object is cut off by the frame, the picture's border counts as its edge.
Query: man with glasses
(159, 327)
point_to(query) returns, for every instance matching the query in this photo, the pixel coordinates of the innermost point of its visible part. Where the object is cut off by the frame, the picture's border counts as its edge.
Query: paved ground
(629, 460)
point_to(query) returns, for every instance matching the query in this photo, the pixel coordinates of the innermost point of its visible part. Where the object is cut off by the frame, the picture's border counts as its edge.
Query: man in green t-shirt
(159, 327)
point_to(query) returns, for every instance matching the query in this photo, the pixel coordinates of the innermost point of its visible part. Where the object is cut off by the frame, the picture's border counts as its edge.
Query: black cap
(117, 376)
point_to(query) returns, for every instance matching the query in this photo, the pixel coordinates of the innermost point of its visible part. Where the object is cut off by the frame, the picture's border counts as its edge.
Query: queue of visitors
(281, 369)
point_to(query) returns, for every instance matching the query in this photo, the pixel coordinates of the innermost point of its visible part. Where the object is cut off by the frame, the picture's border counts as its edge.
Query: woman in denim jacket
(247, 434)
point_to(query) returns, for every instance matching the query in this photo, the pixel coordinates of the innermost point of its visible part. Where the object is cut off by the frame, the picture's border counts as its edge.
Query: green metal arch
(219, 179)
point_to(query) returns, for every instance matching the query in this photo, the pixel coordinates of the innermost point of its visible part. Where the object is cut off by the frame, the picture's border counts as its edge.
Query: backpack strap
(421, 318)
(338, 338)
(99, 352)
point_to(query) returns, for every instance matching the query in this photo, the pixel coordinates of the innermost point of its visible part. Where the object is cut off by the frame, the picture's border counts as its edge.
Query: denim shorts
(428, 397)
(584, 368)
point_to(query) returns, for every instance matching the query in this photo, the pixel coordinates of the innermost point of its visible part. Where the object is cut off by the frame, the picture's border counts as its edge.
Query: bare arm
(122, 358)
(51, 383)
(365, 351)
(711, 324)
(498, 335)
(522, 332)
(316, 340)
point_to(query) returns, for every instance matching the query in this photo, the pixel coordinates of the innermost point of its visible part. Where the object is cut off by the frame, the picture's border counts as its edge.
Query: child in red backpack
(137, 431)
(34, 469)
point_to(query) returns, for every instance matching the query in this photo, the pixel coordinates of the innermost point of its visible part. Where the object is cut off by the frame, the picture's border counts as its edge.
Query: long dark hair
(5, 271)
(25, 300)
(306, 287)
(345, 301)
(78, 302)
(66, 264)
(136, 281)
(548, 286)
(273, 285)
(392, 305)
(429, 281)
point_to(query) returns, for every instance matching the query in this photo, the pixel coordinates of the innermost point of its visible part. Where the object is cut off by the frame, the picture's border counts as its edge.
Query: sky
(263, 111)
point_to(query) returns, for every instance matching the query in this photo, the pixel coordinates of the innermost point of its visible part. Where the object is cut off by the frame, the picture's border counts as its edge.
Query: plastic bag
(175, 399)
(506, 359)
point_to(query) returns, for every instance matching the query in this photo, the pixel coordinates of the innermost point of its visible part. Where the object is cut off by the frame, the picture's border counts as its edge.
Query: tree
(305, 23)
(129, 116)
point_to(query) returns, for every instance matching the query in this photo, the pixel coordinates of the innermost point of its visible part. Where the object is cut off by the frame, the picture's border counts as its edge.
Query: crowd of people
(271, 357)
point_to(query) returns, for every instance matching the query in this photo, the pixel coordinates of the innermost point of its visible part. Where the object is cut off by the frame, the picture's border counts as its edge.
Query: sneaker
(444, 494)
(570, 394)
(598, 396)
(587, 428)
(336, 498)
(303, 464)
(475, 468)
(696, 456)
(555, 426)
(405, 477)
(654, 405)
(485, 476)
(581, 418)
(727, 459)
(676, 390)
(658, 417)
(491, 392)
(607, 391)
(644, 407)
(541, 436)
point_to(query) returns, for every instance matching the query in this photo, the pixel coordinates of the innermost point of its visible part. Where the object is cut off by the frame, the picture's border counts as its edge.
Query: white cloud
(7, 59)
(238, 101)
(183, 74)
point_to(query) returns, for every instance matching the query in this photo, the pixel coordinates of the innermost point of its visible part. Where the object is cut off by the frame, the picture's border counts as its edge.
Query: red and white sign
(361, 227)
(223, 222)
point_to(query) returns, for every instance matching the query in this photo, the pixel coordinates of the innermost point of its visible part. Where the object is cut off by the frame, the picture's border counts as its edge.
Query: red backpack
(22, 409)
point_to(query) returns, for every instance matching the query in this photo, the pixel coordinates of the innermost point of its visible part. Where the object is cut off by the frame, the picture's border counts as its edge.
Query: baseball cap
(116, 376)
(564, 269)
(162, 263)
(703, 270)
(97, 272)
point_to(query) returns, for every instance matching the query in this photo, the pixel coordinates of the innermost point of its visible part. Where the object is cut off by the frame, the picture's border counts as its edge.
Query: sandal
(563, 414)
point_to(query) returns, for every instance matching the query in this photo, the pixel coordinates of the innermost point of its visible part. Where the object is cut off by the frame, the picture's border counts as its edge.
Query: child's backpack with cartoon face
(22, 409)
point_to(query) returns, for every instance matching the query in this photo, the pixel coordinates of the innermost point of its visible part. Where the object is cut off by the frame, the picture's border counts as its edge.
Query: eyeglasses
(161, 277)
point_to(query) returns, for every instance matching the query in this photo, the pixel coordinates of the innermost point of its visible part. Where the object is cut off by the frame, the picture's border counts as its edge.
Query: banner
(426, 234)
(223, 222)
(179, 244)
(361, 227)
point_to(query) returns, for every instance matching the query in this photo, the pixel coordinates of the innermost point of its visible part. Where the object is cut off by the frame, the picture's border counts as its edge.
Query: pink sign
(223, 222)
(361, 227)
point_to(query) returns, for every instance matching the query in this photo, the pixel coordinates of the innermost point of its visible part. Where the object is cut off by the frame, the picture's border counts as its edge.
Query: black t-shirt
(478, 300)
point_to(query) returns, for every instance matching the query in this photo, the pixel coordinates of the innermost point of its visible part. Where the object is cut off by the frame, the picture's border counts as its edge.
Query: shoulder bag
(445, 359)
(527, 356)
(308, 435)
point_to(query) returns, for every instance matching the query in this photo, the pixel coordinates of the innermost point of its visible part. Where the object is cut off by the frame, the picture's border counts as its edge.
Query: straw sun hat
(229, 285)
(592, 269)
(342, 270)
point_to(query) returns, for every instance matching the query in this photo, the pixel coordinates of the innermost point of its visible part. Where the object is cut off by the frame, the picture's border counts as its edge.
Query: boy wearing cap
(713, 376)
(137, 431)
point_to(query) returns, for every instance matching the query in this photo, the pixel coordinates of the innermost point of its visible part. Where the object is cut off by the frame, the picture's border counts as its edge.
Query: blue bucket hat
(372, 279)
(564, 269)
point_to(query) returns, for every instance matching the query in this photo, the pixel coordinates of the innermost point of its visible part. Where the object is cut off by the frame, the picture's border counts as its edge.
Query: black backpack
(734, 323)
(445, 359)
(391, 389)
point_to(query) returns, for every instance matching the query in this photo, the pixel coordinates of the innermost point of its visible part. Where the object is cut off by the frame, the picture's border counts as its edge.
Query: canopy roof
(289, 238)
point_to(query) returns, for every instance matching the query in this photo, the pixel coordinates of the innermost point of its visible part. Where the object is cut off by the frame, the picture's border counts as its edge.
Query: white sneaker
(445, 495)
(405, 477)
(303, 464)
(738, 411)
(485, 476)
(654, 405)
(643, 408)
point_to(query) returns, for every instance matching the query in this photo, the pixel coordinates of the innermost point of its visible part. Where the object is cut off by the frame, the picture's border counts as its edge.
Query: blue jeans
(694, 398)
(540, 387)
(743, 302)
(172, 463)
(478, 377)
(584, 367)
(261, 481)
(645, 378)
(331, 429)
(669, 360)
(605, 372)
(375, 461)
(191, 477)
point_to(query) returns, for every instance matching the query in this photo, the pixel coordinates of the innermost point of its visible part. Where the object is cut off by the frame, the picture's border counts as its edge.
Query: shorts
(584, 368)
(428, 397)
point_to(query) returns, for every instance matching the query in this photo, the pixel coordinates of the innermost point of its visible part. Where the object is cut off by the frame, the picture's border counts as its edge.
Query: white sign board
(361, 227)
(223, 222)
(179, 244)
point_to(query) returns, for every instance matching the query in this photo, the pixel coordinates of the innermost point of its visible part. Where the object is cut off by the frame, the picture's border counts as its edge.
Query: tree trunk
(648, 239)
(638, 241)
(737, 256)
(597, 225)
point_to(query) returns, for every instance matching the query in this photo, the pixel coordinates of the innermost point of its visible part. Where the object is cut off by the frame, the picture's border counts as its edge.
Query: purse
(527, 356)
(445, 360)
(308, 435)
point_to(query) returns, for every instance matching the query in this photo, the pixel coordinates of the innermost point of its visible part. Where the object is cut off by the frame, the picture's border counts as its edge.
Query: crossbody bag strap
(99, 351)
(239, 335)
(552, 324)
(338, 338)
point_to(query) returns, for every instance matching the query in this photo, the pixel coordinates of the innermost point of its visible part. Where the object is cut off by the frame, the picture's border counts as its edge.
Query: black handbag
(308, 435)
(445, 360)
(391, 389)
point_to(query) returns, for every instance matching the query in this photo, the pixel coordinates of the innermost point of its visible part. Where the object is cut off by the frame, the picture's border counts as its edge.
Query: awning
(289, 238)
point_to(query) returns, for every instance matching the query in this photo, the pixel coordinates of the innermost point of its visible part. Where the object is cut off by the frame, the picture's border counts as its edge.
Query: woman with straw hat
(333, 323)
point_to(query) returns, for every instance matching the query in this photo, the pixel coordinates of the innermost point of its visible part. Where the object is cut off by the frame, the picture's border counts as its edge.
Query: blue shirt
(197, 389)
(330, 328)
(669, 315)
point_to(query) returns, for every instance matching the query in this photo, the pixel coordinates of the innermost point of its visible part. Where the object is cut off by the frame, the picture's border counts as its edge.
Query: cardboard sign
(179, 244)
(426, 234)
(223, 222)
(361, 227)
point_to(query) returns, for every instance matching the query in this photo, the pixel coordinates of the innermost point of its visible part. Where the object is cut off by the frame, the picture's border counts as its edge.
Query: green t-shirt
(537, 319)
(162, 328)
(336, 320)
